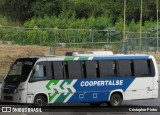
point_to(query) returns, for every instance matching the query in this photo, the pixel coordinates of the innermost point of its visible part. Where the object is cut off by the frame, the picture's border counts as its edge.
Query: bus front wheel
(39, 101)
(115, 100)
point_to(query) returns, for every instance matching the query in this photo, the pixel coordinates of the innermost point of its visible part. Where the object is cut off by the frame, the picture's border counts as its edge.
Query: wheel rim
(116, 101)
(39, 102)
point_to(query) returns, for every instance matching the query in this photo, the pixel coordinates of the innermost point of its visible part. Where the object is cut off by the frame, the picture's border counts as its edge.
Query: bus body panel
(155, 79)
(143, 90)
(82, 90)
(34, 89)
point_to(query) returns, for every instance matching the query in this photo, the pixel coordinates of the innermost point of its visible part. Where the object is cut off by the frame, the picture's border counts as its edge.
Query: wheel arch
(119, 91)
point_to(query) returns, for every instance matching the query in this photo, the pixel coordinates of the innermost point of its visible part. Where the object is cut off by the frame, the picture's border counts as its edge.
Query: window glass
(57, 70)
(20, 70)
(39, 72)
(91, 69)
(141, 68)
(124, 67)
(17, 69)
(74, 69)
(151, 68)
(107, 68)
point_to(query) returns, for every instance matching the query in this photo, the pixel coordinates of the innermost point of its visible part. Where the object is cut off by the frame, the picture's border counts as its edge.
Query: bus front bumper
(19, 96)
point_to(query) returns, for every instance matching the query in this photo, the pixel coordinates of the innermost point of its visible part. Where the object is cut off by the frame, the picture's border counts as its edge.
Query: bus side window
(141, 68)
(91, 70)
(151, 68)
(74, 69)
(124, 68)
(57, 70)
(39, 72)
(107, 68)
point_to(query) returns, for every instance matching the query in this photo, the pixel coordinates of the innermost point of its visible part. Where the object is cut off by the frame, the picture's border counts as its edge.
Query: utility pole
(140, 31)
(157, 28)
(124, 28)
(124, 21)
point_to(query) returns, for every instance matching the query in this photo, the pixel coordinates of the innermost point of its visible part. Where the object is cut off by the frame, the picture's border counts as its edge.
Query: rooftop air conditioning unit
(90, 53)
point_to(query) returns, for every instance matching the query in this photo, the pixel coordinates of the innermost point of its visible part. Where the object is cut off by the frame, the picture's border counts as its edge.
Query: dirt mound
(9, 53)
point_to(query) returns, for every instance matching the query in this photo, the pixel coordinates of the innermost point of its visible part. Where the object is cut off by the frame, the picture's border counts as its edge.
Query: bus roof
(110, 57)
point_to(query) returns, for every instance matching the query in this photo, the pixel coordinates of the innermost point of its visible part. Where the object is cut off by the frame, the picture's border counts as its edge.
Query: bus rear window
(141, 68)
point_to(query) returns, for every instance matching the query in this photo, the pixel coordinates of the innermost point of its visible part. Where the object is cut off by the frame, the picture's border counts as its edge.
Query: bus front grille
(8, 91)
(8, 97)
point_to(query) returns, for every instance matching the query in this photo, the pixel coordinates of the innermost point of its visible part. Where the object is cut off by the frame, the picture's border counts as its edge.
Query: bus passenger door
(37, 81)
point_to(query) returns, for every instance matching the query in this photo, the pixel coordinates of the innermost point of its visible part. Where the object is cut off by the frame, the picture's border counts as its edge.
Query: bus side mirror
(37, 68)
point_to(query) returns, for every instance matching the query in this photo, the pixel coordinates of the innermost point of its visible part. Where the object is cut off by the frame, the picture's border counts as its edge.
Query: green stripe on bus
(60, 90)
(50, 95)
(69, 58)
(51, 82)
(62, 97)
(66, 91)
(62, 85)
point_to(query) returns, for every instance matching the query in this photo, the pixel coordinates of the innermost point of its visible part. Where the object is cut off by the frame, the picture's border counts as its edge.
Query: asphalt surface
(147, 107)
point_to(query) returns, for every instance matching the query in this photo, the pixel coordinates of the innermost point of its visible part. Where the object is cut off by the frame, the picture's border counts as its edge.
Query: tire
(39, 101)
(115, 100)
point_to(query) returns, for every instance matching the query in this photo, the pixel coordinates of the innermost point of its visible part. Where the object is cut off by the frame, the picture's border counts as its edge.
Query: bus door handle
(134, 90)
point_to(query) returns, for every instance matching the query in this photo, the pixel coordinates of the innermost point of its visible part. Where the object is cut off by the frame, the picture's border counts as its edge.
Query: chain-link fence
(149, 42)
(147, 45)
(62, 48)
(50, 36)
(129, 46)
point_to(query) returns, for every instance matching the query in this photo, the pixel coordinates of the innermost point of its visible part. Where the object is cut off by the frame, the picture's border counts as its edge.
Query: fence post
(40, 37)
(53, 49)
(125, 47)
(74, 36)
(91, 38)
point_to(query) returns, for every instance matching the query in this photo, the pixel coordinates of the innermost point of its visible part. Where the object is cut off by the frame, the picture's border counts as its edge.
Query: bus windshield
(20, 70)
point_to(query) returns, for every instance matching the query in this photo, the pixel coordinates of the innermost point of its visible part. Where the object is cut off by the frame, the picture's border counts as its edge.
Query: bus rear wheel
(115, 100)
(39, 101)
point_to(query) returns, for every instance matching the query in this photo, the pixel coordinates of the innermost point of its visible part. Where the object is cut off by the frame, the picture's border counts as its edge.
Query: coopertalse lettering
(102, 83)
